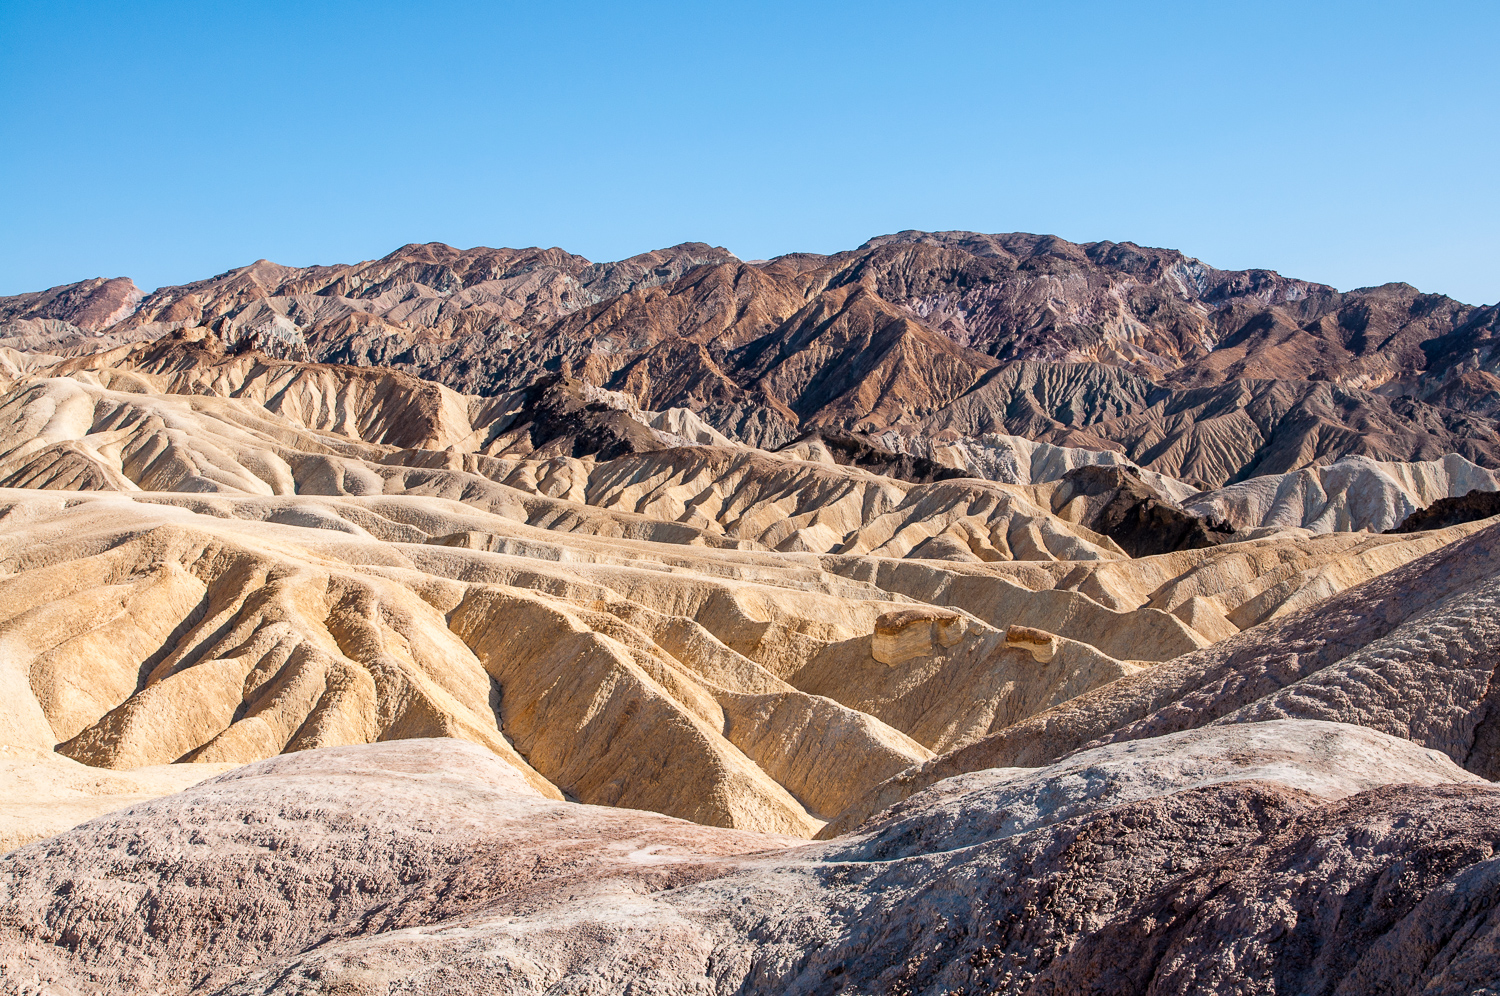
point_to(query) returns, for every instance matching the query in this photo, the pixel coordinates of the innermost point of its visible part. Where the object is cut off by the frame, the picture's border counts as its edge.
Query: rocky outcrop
(907, 633)
(1039, 643)
(1471, 507)
(1116, 502)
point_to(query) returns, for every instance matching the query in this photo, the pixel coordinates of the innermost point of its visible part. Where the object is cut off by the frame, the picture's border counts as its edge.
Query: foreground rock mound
(1132, 868)
(330, 843)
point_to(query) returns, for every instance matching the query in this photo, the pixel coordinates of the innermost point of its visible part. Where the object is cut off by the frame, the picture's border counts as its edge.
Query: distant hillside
(1205, 374)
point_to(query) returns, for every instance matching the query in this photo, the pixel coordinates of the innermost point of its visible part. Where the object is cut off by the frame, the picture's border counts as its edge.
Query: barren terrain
(958, 614)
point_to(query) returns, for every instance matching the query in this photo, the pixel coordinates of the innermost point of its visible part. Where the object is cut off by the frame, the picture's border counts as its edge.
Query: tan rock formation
(907, 633)
(217, 558)
(228, 628)
(1410, 653)
(1040, 644)
(145, 634)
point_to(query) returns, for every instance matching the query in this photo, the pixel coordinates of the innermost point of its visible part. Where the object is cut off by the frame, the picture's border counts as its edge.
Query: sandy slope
(289, 556)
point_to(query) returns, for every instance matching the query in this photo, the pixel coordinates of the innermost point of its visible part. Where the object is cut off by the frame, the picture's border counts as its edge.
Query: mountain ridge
(903, 333)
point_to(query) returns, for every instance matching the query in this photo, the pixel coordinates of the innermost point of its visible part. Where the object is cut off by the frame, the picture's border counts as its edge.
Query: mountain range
(1207, 375)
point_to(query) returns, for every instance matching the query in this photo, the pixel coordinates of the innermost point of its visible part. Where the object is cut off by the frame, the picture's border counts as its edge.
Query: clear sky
(1351, 143)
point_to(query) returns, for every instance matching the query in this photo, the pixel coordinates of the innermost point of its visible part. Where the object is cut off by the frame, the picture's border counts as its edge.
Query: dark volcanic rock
(851, 450)
(1471, 507)
(1131, 512)
(559, 420)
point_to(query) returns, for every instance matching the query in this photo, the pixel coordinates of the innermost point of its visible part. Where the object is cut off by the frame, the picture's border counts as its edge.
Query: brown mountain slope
(1212, 435)
(435, 288)
(91, 305)
(763, 350)
(1020, 297)
(1012, 297)
(890, 334)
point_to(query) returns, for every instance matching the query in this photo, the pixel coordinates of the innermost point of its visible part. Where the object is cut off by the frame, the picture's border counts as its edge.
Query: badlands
(497, 621)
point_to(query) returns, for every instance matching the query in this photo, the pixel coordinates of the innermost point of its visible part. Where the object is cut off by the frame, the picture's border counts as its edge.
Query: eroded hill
(216, 557)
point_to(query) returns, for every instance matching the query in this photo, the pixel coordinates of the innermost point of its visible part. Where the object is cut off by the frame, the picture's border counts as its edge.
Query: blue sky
(1342, 142)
